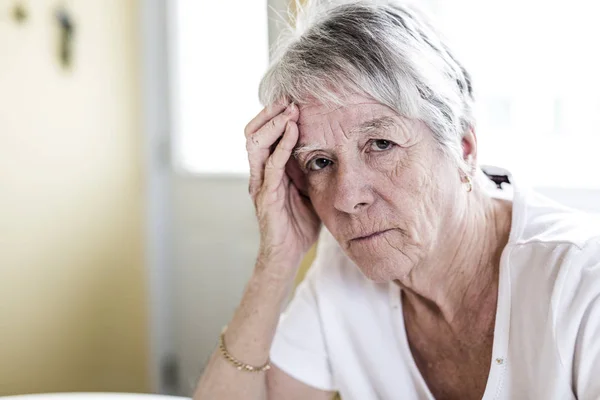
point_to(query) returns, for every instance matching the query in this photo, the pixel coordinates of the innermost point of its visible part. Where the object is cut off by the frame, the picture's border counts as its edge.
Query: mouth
(369, 236)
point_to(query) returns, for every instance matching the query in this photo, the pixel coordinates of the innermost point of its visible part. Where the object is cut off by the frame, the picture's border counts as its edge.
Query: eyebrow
(363, 129)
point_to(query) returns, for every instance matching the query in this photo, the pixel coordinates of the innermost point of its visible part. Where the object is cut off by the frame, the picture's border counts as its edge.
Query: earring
(469, 183)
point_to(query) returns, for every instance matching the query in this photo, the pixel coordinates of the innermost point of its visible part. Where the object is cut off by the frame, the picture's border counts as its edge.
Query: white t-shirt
(346, 333)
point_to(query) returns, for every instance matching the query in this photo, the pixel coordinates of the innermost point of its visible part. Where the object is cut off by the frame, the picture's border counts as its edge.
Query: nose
(352, 191)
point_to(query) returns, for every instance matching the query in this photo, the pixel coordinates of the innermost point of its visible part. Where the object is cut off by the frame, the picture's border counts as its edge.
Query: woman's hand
(287, 220)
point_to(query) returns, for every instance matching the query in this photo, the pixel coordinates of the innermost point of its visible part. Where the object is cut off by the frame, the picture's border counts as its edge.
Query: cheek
(317, 188)
(412, 189)
(426, 178)
(407, 174)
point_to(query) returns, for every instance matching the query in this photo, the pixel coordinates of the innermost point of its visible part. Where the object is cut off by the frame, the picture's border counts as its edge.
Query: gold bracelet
(236, 363)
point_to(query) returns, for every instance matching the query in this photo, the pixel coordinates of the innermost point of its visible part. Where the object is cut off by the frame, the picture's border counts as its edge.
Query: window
(219, 53)
(535, 70)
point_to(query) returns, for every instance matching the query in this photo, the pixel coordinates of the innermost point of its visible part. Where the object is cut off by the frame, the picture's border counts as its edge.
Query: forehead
(357, 109)
(325, 127)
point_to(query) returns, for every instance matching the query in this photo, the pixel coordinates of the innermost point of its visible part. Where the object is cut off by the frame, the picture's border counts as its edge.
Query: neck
(460, 278)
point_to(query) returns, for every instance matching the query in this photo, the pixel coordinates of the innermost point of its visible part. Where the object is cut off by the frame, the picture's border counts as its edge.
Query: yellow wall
(305, 265)
(72, 285)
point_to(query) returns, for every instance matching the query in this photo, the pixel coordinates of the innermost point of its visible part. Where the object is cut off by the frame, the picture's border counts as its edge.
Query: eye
(380, 145)
(318, 164)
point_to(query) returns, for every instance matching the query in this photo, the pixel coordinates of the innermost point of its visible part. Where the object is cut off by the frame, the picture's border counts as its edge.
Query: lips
(370, 236)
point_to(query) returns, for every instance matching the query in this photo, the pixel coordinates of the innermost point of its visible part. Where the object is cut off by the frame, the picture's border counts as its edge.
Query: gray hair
(381, 49)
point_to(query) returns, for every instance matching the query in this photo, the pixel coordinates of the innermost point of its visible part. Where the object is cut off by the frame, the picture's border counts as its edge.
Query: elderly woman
(430, 281)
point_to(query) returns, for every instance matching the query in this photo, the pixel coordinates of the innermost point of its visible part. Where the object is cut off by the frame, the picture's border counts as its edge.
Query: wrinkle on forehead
(325, 128)
(314, 110)
(355, 118)
(406, 133)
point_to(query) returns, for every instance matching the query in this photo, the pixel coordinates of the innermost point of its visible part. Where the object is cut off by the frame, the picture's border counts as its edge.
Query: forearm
(248, 337)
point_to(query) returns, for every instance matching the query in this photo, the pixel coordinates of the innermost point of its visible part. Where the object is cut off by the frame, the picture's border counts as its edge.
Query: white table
(92, 396)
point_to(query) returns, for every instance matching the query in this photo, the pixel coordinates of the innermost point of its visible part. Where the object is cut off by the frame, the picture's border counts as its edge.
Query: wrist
(284, 258)
(276, 270)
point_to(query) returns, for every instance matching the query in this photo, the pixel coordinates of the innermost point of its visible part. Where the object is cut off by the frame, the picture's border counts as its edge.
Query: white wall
(216, 242)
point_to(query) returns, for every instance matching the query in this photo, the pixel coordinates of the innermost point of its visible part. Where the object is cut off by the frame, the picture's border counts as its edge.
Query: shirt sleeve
(586, 361)
(587, 354)
(299, 347)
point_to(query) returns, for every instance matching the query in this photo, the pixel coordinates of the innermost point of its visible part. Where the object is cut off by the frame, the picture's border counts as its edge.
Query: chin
(380, 270)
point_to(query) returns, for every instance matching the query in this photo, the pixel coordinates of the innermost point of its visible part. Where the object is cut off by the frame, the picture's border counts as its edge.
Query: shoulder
(578, 300)
(549, 242)
(546, 221)
(553, 259)
(553, 247)
(538, 219)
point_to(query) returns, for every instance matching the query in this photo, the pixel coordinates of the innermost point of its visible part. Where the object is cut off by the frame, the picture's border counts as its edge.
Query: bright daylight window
(220, 51)
(535, 66)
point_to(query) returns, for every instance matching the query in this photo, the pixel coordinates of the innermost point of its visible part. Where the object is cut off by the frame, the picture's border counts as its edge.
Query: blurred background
(126, 231)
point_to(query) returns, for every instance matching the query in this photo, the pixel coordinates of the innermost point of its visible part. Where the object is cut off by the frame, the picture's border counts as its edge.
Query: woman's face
(379, 183)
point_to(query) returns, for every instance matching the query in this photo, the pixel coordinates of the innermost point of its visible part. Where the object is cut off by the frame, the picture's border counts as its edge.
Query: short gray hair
(381, 49)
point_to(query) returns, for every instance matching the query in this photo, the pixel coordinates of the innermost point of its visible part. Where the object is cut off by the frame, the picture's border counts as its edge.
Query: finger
(259, 146)
(272, 130)
(264, 116)
(297, 176)
(275, 167)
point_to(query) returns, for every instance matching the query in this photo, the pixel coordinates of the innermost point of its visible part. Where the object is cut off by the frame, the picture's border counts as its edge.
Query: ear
(469, 147)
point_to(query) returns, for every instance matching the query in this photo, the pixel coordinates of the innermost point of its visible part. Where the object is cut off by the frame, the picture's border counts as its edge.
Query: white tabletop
(92, 396)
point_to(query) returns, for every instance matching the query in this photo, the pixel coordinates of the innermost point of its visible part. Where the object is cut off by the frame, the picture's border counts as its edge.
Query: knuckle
(252, 142)
(247, 131)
